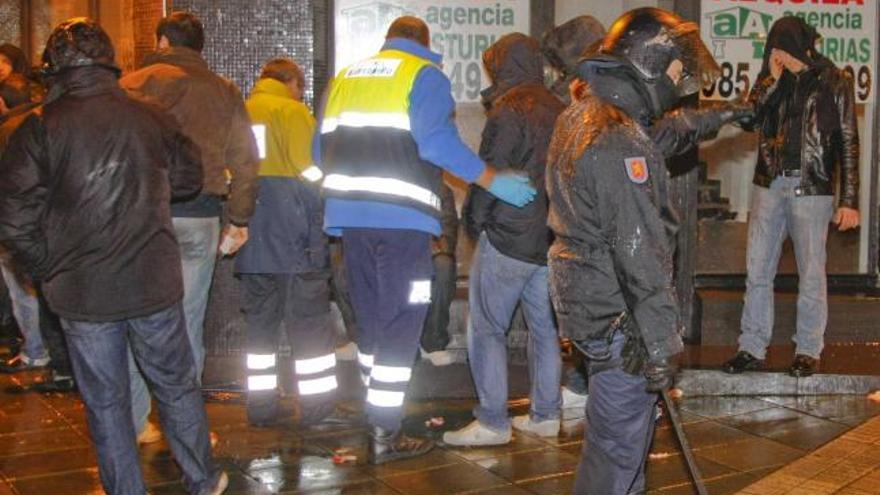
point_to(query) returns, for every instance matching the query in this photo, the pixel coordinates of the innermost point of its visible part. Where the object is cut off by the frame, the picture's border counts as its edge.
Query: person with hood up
(86, 184)
(806, 123)
(611, 263)
(565, 46)
(510, 262)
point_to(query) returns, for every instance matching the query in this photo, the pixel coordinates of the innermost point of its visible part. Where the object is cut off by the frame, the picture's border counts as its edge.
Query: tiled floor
(44, 449)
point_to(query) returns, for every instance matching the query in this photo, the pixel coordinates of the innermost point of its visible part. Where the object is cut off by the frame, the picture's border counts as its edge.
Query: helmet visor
(699, 66)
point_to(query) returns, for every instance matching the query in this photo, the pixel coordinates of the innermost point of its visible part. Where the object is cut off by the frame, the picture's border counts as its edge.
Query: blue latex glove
(513, 188)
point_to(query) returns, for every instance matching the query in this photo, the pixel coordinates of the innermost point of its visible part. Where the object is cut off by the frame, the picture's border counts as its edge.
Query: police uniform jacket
(614, 221)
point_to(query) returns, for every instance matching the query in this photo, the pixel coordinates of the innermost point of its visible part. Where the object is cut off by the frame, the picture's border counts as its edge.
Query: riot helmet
(77, 42)
(649, 40)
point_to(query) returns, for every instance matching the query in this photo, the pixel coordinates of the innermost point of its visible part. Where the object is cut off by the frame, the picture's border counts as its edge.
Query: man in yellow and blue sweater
(284, 266)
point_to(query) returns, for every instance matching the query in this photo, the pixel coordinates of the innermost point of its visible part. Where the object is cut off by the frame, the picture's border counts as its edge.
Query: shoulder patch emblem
(637, 169)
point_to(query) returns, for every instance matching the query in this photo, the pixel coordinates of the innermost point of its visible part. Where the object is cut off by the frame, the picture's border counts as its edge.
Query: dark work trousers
(99, 354)
(435, 336)
(389, 274)
(54, 339)
(339, 290)
(620, 425)
(300, 302)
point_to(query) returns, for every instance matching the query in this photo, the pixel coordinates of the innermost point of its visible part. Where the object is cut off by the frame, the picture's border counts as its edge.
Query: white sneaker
(547, 428)
(222, 483)
(348, 352)
(475, 434)
(438, 358)
(571, 399)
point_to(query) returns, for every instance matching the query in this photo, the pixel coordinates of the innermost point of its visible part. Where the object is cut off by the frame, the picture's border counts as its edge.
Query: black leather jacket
(830, 135)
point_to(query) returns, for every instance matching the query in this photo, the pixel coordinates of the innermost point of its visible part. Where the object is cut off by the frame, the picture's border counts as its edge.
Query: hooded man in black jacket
(86, 184)
(615, 225)
(510, 263)
(806, 119)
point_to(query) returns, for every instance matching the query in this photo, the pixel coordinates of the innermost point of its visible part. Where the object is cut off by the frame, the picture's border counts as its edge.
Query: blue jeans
(497, 284)
(198, 239)
(777, 212)
(98, 354)
(26, 310)
(620, 426)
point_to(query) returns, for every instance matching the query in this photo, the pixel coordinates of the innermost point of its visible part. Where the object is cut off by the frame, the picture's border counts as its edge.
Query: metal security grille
(242, 35)
(10, 22)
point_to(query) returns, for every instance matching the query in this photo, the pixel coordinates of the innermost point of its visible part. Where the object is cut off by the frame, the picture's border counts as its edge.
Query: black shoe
(55, 383)
(327, 416)
(803, 366)
(743, 361)
(386, 446)
(262, 408)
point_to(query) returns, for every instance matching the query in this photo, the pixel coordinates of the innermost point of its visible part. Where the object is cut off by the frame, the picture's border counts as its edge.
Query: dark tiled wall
(241, 36)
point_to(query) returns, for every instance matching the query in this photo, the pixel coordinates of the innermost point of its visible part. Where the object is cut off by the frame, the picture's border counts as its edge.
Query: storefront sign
(461, 30)
(735, 31)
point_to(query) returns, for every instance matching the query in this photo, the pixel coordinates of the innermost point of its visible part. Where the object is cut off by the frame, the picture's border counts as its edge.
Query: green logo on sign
(739, 23)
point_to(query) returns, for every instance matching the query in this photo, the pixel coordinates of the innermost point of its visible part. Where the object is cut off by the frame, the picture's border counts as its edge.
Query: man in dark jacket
(211, 112)
(86, 185)
(615, 225)
(806, 119)
(510, 263)
(565, 46)
(435, 334)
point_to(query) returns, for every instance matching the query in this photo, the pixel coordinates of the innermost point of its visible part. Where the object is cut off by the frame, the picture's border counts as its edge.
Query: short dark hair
(411, 28)
(284, 70)
(182, 29)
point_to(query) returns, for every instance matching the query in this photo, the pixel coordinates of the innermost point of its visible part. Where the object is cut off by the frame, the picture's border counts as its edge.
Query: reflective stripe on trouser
(390, 319)
(302, 303)
(365, 364)
(315, 376)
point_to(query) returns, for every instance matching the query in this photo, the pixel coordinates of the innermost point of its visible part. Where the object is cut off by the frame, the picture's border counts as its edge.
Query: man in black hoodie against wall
(806, 120)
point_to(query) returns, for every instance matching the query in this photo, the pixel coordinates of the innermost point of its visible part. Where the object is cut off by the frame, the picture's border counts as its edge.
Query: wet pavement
(44, 447)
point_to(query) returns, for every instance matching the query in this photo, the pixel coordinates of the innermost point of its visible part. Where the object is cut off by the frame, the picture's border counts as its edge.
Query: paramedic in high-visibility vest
(386, 136)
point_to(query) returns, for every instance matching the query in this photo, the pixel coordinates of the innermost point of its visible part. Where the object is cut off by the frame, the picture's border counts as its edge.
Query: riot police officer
(615, 225)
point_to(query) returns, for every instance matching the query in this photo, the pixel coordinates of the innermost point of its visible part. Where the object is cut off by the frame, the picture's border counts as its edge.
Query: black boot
(386, 446)
(262, 408)
(55, 382)
(743, 361)
(328, 415)
(803, 366)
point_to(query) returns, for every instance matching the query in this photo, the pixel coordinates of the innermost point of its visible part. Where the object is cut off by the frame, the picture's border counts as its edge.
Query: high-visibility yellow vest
(368, 152)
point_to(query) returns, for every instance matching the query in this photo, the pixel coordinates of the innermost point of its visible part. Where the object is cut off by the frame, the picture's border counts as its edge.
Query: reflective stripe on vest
(382, 185)
(368, 106)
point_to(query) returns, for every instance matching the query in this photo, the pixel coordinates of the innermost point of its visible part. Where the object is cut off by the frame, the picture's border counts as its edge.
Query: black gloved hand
(740, 112)
(660, 374)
